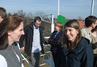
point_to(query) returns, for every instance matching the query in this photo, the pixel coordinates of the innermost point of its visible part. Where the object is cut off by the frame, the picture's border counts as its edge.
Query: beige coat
(94, 44)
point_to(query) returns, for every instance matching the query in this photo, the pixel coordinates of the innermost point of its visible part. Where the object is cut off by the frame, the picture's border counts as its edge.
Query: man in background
(90, 23)
(33, 41)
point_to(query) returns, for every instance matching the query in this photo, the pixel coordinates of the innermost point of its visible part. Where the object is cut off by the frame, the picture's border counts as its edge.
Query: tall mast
(58, 6)
(92, 7)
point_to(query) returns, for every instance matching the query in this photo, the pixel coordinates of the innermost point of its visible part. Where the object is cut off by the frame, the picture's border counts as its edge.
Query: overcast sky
(71, 9)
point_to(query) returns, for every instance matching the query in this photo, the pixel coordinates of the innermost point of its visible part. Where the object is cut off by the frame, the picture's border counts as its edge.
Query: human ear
(9, 32)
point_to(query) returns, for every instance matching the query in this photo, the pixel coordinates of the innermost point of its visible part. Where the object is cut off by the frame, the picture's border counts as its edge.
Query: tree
(21, 13)
(9, 14)
(79, 18)
(41, 14)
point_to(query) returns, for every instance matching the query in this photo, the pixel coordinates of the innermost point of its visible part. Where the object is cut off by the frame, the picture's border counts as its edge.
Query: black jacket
(28, 30)
(55, 42)
(81, 56)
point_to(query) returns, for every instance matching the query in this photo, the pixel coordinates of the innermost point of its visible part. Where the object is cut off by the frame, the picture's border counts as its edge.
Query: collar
(57, 32)
(35, 27)
(89, 32)
(84, 42)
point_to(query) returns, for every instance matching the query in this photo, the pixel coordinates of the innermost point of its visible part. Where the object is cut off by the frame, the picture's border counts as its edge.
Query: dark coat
(29, 39)
(81, 56)
(55, 42)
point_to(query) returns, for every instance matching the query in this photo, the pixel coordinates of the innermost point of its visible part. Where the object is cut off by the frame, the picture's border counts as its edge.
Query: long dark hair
(8, 24)
(73, 24)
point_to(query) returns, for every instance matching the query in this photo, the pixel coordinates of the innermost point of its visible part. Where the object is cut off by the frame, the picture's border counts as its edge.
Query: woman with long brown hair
(79, 52)
(11, 30)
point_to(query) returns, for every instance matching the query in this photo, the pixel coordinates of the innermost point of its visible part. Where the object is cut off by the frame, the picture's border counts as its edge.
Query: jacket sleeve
(87, 60)
(50, 40)
(53, 42)
(42, 37)
(23, 37)
(21, 41)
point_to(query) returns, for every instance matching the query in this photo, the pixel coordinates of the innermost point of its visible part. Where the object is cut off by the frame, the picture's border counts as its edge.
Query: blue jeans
(35, 57)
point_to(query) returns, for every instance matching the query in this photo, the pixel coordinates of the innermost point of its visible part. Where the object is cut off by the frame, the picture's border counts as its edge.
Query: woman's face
(71, 33)
(57, 28)
(15, 35)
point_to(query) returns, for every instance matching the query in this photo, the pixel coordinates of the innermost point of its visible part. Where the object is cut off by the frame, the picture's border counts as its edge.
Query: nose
(67, 33)
(23, 33)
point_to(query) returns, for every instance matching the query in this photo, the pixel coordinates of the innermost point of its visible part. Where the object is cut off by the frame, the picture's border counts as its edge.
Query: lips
(19, 36)
(69, 37)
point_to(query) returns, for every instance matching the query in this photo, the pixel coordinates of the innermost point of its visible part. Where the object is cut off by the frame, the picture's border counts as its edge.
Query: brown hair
(8, 24)
(74, 24)
(2, 12)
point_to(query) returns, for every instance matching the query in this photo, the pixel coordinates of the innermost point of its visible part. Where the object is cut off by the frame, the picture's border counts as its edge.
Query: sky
(71, 9)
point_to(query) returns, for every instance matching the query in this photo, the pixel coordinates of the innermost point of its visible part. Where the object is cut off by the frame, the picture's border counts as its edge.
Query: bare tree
(30, 15)
(79, 18)
(41, 14)
(21, 13)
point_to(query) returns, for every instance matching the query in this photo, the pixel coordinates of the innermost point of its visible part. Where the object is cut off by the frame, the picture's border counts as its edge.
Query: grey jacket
(9, 55)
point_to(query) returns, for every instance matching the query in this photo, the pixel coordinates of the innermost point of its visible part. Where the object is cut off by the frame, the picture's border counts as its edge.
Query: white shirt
(36, 41)
(87, 34)
(3, 62)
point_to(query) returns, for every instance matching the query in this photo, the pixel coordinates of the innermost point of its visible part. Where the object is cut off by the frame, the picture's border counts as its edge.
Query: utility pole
(58, 6)
(52, 23)
(92, 7)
